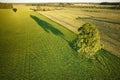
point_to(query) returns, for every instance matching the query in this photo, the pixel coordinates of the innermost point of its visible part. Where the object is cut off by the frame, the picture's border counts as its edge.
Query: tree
(88, 40)
(15, 9)
(61, 5)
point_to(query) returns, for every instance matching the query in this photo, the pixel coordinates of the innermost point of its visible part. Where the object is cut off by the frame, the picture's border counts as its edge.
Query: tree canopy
(88, 39)
(15, 9)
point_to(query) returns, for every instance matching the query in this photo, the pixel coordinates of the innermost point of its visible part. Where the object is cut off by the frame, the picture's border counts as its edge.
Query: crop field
(34, 47)
(107, 21)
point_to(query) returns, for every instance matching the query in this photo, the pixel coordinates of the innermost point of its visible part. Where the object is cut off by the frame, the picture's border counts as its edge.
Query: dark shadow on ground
(46, 26)
(104, 57)
(50, 28)
(97, 19)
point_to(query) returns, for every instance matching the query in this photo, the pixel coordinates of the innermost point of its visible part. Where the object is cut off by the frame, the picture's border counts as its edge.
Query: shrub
(15, 9)
(44, 9)
(88, 40)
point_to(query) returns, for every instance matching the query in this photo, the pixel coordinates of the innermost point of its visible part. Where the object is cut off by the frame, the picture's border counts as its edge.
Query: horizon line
(59, 2)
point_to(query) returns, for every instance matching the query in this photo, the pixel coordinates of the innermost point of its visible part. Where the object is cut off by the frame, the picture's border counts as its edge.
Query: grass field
(32, 47)
(107, 21)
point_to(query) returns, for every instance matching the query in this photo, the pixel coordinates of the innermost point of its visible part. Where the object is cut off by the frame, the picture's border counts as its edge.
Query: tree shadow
(98, 19)
(46, 26)
(49, 28)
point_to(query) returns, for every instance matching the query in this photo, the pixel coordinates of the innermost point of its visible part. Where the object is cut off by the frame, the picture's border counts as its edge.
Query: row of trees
(6, 6)
(51, 4)
(99, 7)
(38, 8)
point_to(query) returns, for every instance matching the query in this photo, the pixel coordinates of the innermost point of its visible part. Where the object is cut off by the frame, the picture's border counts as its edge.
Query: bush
(88, 40)
(43, 9)
(15, 9)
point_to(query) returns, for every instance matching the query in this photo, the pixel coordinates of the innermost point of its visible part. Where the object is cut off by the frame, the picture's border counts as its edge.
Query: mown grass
(32, 47)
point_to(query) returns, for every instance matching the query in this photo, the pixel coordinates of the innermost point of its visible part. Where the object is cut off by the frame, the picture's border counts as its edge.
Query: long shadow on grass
(50, 28)
(46, 26)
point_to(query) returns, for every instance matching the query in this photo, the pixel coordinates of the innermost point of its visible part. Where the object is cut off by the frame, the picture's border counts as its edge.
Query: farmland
(34, 47)
(107, 21)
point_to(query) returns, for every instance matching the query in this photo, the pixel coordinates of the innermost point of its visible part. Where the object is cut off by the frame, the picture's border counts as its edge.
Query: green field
(33, 47)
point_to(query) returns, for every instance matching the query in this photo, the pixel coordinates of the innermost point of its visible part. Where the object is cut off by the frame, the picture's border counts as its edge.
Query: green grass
(32, 47)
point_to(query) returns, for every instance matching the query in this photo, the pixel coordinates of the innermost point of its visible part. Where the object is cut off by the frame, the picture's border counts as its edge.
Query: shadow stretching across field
(46, 26)
(50, 28)
(97, 19)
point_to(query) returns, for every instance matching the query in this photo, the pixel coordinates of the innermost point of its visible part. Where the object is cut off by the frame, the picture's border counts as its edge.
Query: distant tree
(15, 9)
(42, 9)
(68, 4)
(61, 4)
(88, 40)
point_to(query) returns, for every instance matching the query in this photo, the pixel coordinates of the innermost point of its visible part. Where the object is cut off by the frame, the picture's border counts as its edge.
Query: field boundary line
(57, 23)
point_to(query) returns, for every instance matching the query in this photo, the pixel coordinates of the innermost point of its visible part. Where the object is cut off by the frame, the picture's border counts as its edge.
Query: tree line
(6, 6)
